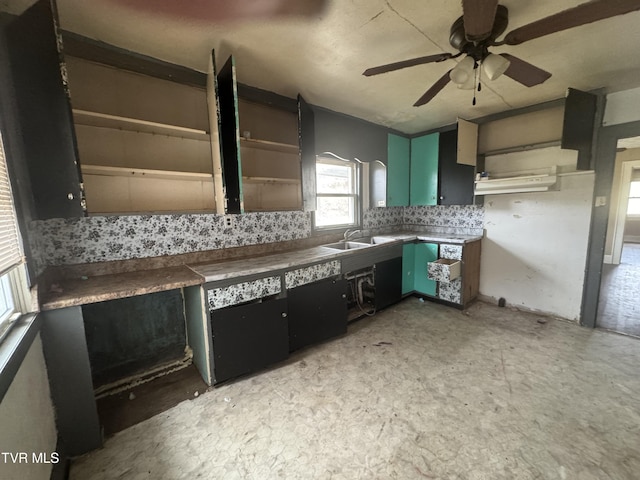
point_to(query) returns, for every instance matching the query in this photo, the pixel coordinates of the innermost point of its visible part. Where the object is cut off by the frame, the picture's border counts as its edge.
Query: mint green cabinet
(424, 253)
(415, 257)
(423, 185)
(398, 155)
(408, 267)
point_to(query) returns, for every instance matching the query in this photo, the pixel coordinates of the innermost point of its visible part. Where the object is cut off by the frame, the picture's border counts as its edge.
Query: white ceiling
(323, 58)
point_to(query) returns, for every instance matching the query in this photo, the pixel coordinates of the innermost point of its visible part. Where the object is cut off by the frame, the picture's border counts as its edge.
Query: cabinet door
(455, 180)
(398, 155)
(230, 137)
(425, 253)
(249, 337)
(44, 124)
(408, 267)
(306, 138)
(317, 312)
(578, 124)
(423, 188)
(388, 278)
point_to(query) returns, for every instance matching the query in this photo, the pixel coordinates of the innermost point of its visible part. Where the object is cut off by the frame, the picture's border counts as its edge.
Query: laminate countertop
(98, 288)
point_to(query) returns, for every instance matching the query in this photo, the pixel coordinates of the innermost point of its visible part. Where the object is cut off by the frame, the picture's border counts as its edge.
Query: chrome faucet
(350, 233)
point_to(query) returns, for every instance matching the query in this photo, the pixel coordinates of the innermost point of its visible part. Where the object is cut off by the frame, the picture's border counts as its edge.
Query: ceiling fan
(482, 22)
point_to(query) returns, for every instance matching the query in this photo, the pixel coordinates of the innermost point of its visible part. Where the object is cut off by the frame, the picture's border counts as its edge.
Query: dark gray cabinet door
(44, 121)
(455, 180)
(230, 137)
(306, 139)
(388, 279)
(578, 125)
(317, 312)
(247, 338)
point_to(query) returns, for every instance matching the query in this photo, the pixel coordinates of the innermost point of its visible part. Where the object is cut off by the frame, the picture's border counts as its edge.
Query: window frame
(632, 197)
(356, 194)
(13, 287)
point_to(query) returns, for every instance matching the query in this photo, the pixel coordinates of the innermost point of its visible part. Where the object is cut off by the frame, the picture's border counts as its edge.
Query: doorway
(619, 304)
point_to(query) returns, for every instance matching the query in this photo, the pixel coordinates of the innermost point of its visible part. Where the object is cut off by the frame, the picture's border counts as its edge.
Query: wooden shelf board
(268, 145)
(104, 120)
(143, 173)
(270, 180)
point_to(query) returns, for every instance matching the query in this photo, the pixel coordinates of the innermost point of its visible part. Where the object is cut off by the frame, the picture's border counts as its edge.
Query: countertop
(80, 291)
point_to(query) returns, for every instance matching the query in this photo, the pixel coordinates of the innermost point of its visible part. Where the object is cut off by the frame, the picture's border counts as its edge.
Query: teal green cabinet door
(398, 155)
(424, 253)
(423, 186)
(408, 267)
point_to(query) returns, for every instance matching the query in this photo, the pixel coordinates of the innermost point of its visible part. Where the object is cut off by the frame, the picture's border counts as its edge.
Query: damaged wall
(535, 248)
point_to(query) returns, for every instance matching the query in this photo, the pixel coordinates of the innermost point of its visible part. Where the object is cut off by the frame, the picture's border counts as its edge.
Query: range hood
(523, 184)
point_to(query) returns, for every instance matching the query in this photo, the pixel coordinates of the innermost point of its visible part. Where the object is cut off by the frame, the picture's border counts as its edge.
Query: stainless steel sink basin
(374, 240)
(347, 245)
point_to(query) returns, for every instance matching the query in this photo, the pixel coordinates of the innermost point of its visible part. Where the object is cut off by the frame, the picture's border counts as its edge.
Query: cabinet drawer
(443, 270)
(243, 292)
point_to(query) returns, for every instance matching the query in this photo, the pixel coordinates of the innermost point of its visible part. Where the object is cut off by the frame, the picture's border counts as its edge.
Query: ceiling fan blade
(525, 73)
(574, 17)
(434, 90)
(407, 63)
(220, 11)
(478, 17)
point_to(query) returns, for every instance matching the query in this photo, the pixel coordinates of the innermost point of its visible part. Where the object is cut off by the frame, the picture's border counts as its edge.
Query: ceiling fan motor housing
(458, 37)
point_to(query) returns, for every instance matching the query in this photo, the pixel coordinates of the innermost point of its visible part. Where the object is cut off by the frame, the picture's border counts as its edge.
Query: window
(337, 201)
(12, 274)
(634, 199)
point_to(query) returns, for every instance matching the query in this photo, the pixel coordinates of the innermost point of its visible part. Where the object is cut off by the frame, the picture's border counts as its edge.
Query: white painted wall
(535, 247)
(27, 422)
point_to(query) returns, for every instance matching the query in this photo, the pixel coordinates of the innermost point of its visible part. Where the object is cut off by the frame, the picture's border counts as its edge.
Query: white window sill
(14, 348)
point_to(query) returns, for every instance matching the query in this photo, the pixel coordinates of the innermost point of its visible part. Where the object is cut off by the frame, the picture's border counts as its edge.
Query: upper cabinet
(423, 184)
(455, 180)
(261, 157)
(43, 122)
(398, 160)
(578, 125)
(426, 170)
(144, 141)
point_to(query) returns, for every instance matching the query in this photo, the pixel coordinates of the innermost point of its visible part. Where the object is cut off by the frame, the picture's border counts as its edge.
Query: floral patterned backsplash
(107, 238)
(461, 219)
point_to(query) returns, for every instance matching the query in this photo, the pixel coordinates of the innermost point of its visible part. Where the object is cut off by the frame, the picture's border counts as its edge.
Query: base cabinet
(388, 280)
(247, 338)
(317, 312)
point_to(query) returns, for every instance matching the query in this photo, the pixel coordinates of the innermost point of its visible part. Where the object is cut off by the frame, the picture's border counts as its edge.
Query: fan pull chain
(476, 78)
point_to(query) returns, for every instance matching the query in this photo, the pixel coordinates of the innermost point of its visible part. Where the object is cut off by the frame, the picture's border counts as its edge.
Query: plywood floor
(122, 410)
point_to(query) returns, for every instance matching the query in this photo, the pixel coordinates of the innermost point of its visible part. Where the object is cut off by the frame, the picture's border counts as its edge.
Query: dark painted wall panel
(131, 335)
(349, 137)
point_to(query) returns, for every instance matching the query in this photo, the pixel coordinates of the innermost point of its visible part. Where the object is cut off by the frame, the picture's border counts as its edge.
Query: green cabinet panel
(408, 267)
(423, 186)
(424, 253)
(398, 155)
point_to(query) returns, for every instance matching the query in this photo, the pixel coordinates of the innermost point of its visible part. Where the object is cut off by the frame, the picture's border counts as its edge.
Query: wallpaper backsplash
(106, 238)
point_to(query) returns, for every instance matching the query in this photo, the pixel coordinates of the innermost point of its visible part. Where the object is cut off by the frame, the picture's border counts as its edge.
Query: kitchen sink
(375, 240)
(347, 245)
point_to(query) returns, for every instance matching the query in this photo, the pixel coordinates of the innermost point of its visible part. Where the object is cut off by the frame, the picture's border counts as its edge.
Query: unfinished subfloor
(418, 391)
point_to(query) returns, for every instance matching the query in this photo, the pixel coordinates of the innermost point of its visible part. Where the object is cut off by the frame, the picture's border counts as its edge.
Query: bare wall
(535, 246)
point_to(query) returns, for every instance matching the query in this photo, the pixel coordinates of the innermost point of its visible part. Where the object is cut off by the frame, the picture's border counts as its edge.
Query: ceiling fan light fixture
(495, 65)
(470, 84)
(463, 71)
